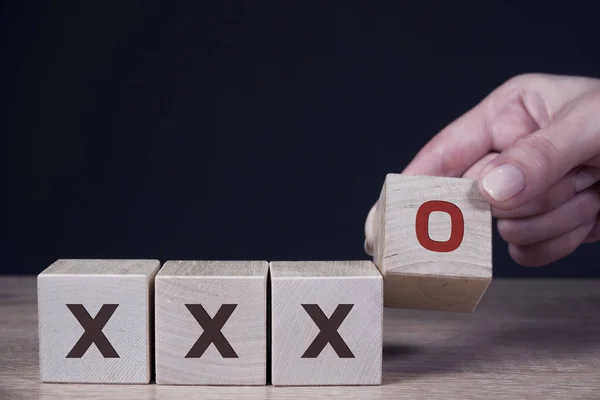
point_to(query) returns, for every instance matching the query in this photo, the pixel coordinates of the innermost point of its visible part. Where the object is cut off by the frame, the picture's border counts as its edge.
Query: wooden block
(211, 326)
(433, 243)
(95, 320)
(326, 323)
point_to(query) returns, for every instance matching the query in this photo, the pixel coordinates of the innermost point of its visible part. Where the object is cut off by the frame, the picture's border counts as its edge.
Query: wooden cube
(211, 326)
(326, 323)
(95, 320)
(433, 242)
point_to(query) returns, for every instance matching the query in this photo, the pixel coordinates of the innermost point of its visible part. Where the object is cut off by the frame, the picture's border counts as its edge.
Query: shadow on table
(533, 338)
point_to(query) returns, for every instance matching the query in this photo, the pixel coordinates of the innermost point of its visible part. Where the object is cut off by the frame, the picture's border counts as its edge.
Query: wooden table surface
(527, 339)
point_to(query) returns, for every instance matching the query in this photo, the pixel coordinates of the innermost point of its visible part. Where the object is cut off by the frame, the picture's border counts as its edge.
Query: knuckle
(581, 118)
(538, 152)
(526, 79)
(526, 82)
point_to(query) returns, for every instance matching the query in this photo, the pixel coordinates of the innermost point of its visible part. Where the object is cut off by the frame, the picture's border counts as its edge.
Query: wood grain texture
(528, 339)
(90, 285)
(418, 277)
(211, 284)
(326, 285)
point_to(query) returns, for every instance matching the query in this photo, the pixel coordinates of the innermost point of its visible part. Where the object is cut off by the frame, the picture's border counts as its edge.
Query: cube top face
(95, 328)
(434, 226)
(326, 331)
(211, 323)
(323, 269)
(219, 269)
(102, 267)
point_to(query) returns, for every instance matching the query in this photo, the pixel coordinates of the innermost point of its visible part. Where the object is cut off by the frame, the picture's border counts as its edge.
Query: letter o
(457, 226)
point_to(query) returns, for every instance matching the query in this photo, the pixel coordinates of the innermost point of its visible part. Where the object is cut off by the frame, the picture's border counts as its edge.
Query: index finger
(450, 153)
(456, 148)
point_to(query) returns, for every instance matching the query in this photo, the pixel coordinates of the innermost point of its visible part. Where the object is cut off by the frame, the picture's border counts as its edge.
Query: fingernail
(586, 178)
(503, 182)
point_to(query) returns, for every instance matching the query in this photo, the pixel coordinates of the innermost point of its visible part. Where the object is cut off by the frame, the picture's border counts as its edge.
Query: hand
(534, 146)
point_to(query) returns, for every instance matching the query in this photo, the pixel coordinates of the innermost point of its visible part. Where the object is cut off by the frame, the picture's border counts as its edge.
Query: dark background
(245, 130)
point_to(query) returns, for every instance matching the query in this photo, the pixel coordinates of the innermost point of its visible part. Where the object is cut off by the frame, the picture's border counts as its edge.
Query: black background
(246, 130)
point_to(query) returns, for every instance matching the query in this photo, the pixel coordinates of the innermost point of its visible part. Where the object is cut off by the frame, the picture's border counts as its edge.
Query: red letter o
(457, 229)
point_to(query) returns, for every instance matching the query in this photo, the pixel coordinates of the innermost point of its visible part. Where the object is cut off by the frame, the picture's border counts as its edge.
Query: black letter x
(93, 331)
(212, 331)
(328, 333)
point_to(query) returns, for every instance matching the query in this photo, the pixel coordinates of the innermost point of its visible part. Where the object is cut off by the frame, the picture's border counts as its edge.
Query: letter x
(93, 331)
(328, 333)
(212, 331)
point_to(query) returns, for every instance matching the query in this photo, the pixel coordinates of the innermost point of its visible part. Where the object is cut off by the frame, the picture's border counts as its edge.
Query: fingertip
(370, 230)
(368, 247)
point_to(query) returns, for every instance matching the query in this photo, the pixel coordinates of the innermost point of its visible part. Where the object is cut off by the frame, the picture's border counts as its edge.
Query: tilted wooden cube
(433, 242)
(211, 326)
(326, 326)
(94, 321)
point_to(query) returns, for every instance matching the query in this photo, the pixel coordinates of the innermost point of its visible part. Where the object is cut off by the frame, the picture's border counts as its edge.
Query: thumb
(536, 162)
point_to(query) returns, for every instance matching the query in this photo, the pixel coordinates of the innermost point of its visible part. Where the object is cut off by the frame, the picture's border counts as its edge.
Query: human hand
(534, 146)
